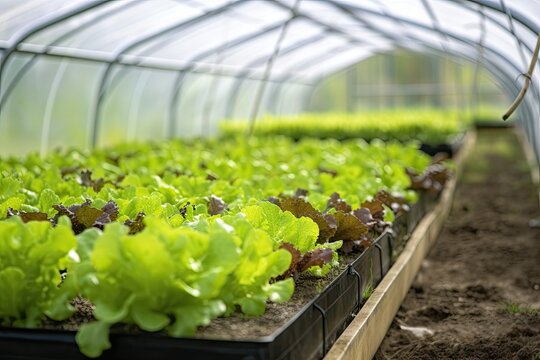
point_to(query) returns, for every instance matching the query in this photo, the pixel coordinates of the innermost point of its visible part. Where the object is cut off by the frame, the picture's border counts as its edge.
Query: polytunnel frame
(116, 57)
(234, 3)
(192, 64)
(233, 97)
(527, 121)
(181, 74)
(179, 80)
(13, 45)
(352, 43)
(136, 42)
(424, 27)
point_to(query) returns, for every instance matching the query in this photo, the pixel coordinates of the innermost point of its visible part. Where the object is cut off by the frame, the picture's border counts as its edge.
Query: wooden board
(363, 336)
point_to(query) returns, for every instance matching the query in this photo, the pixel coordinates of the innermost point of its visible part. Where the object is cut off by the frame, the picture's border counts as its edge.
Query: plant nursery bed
(303, 328)
(301, 337)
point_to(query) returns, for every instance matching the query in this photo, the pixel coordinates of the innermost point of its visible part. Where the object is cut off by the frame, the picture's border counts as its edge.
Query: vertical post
(475, 96)
(351, 84)
(262, 85)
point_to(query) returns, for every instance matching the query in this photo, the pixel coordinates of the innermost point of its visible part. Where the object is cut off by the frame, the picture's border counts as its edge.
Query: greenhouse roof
(276, 41)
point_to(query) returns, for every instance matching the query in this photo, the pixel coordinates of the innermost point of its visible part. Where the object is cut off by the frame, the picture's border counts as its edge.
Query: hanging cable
(528, 78)
(522, 55)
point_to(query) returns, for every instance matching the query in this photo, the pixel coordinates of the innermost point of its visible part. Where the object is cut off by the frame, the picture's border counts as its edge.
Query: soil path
(478, 290)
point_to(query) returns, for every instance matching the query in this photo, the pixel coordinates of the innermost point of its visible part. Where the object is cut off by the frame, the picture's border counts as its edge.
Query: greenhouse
(269, 179)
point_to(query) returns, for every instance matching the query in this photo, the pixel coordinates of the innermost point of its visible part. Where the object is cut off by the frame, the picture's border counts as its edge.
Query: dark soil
(83, 314)
(479, 289)
(239, 326)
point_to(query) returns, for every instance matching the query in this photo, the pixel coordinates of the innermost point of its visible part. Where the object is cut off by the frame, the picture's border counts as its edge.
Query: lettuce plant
(176, 278)
(297, 235)
(31, 257)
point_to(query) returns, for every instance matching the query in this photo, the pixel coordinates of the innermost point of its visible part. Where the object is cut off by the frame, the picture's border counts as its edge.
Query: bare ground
(478, 291)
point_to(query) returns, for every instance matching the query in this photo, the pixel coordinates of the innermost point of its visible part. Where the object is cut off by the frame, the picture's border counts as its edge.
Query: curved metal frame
(410, 23)
(180, 76)
(347, 8)
(28, 65)
(32, 29)
(261, 60)
(50, 20)
(134, 44)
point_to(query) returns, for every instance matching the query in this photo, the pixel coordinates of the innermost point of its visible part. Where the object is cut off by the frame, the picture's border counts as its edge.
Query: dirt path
(479, 288)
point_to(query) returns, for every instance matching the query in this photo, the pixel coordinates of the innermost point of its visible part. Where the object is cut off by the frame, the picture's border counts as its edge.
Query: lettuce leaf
(31, 255)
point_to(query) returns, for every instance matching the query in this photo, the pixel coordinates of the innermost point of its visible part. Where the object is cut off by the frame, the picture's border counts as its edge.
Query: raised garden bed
(321, 317)
(324, 317)
(300, 338)
(451, 148)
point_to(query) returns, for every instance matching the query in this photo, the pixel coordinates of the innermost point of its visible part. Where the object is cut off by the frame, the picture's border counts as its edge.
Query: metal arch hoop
(259, 61)
(28, 65)
(28, 31)
(179, 80)
(100, 95)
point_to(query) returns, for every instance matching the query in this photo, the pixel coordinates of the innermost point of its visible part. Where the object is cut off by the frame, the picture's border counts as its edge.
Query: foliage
(298, 235)
(177, 278)
(432, 126)
(166, 241)
(159, 181)
(31, 255)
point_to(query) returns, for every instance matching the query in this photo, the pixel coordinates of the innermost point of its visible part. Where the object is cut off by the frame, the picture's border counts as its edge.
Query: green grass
(517, 309)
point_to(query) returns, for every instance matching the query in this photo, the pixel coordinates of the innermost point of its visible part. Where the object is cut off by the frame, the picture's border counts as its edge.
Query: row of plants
(168, 236)
(429, 126)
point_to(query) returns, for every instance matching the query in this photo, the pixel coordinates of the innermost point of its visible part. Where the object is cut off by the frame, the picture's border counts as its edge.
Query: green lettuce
(31, 257)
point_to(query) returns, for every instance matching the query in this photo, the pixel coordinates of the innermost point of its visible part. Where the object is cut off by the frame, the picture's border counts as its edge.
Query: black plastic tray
(493, 124)
(450, 149)
(308, 335)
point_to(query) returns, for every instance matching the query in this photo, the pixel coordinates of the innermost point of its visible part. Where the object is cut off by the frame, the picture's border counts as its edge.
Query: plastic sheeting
(94, 72)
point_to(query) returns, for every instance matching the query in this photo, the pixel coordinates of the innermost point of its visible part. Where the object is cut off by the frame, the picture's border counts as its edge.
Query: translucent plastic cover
(167, 68)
